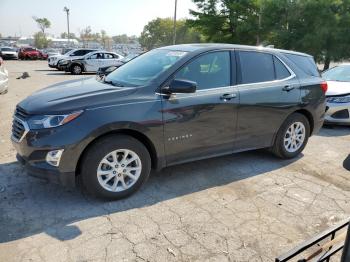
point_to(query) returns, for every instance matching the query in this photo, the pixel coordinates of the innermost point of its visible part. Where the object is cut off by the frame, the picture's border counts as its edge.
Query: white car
(55, 59)
(91, 62)
(338, 94)
(4, 78)
(8, 53)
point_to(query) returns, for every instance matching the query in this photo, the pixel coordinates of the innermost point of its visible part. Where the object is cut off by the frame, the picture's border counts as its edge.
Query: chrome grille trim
(19, 129)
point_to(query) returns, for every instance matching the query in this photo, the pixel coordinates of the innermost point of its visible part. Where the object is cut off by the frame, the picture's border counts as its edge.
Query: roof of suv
(214, 46)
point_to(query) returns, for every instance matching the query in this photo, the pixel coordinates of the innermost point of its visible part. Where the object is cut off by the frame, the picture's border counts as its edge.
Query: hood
(337, 88)
(73, 95)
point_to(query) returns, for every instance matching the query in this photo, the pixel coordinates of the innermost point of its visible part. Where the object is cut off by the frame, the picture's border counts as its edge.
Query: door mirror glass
(181, 86)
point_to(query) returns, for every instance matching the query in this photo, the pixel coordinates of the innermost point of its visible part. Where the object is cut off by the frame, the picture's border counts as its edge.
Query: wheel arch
(142, 138)
(309, 117)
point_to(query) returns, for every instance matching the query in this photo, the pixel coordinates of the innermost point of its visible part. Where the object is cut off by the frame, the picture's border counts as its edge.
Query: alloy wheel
(119, 170)
(294, 137)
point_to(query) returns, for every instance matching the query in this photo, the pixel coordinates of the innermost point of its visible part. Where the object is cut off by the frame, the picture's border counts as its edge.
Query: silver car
(338, 94)
(4, 78)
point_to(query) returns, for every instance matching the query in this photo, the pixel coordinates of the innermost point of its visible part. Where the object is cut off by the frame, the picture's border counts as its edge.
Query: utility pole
(65, 9)
(174, 36)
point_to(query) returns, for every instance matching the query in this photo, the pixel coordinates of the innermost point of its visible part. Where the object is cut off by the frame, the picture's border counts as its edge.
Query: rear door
(202, 124)
(269, 92)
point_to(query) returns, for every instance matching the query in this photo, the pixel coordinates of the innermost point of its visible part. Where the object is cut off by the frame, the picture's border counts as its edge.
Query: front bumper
(47, 172)
(33, 148)
(338, 113)
(9, 56)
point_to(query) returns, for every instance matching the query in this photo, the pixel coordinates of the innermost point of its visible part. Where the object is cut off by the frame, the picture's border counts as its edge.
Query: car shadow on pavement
(29, 206)
(68, 73)
(334, 130)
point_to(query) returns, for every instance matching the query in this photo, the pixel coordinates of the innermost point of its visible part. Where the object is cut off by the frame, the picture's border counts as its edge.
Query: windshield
(338, 73)
(7, 49)
(143, 69)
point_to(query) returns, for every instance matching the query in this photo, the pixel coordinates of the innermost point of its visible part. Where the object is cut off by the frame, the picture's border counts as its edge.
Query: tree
(104, 38)
(43, 23)
(40, 40)
(318, 27)
(159, 32)
(85, 34)
(228, 21)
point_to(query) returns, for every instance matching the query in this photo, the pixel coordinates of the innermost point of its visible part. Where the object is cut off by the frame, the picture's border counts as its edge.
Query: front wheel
(115, 167)
(76, 69)
(292, 137)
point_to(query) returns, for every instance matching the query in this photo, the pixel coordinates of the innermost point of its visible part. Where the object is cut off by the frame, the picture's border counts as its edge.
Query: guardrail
(322, 252)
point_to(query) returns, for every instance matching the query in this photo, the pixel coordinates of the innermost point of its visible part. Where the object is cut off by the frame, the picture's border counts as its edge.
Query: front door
(94, 62)
(202, 124)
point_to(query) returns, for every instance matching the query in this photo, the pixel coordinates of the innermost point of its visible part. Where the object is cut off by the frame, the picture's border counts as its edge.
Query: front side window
(96, 56)
(143, 69)
(208, 71)
(256, 67)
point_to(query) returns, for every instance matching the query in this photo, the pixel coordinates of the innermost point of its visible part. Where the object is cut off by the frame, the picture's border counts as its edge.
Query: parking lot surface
(243, 207)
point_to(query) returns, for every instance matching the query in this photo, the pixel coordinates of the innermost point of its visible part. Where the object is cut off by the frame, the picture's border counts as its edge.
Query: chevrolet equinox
(168, 106)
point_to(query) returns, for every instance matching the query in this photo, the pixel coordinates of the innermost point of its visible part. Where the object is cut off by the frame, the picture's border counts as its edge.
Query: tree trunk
(327, 61)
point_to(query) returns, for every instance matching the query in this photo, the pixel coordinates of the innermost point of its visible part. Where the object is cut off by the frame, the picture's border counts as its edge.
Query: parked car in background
(51, 52)
(105, 70)
(43, 55)
(91, 62)
(8, 53)
(4, 79)
(338, 94)
(168, 106)
(54, 60)
(29, 53)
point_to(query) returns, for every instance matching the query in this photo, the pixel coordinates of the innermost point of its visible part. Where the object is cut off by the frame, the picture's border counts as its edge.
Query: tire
(117, 185)
(289, 145)
(76, 69)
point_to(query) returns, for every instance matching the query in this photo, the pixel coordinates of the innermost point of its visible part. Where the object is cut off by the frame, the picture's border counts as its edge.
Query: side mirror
(181, 86)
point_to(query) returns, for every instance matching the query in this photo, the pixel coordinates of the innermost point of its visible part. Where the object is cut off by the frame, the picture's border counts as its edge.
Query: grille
(19, 127)
(20, 113)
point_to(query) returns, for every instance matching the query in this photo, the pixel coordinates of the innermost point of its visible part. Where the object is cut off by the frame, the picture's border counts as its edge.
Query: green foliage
(40, 40)
(318, 27)
(159, 32)
(43, 23)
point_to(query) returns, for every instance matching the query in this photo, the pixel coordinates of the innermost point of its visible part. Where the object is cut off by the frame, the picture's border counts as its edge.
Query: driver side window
(208, 71)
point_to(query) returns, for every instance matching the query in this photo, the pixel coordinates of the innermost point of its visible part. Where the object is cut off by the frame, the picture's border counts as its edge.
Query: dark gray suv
(171, 105)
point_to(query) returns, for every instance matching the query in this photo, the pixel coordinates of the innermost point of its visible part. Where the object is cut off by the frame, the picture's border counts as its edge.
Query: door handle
(288, 88)
(228, 96)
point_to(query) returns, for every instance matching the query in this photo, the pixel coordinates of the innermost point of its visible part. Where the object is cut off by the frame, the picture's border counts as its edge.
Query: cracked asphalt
(242, 207)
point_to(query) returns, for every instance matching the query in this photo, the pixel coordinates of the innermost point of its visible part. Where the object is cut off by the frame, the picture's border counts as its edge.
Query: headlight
(63, 62)
(339, 99)
(48, 121)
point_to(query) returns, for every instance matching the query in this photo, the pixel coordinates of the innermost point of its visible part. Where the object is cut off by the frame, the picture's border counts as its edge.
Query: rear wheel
(292, 137)
(115, 167)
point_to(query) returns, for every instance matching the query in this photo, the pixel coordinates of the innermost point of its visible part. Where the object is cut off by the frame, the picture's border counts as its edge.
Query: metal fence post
(346, 250)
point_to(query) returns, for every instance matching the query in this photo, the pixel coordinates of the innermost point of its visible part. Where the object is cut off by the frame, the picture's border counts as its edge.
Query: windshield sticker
(176, 53)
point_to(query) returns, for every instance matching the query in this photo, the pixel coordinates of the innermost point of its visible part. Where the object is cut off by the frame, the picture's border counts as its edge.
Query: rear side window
(256, 67)
(281, 71)
(305, 63)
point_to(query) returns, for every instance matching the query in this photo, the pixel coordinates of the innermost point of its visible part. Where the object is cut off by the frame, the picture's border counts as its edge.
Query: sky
(115, 16)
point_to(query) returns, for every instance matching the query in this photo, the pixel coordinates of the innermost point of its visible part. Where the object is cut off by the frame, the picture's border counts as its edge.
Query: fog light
(53, 157)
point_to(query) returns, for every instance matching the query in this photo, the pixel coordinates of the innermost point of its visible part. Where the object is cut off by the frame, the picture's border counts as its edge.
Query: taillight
(324, 86)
